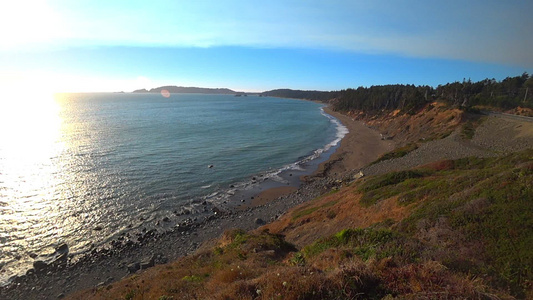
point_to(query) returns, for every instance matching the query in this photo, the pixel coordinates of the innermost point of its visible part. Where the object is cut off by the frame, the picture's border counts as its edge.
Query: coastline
(360, 146)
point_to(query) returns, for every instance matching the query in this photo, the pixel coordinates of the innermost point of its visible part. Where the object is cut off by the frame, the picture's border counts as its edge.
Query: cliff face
(433, 121)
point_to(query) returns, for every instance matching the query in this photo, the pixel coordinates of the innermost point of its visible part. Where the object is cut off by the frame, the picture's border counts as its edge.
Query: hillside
(299, 94)
(188, 90)
(448, 214)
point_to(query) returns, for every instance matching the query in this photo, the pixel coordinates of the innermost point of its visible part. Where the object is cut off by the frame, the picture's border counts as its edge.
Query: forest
(509, 93)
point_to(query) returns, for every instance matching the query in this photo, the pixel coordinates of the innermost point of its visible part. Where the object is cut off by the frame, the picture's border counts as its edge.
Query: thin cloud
(483, 31)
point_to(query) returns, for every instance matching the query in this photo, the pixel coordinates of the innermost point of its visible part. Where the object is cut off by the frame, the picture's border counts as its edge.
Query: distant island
(189, 90)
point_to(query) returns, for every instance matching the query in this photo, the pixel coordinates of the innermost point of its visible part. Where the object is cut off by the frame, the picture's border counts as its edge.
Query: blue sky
(256, 46)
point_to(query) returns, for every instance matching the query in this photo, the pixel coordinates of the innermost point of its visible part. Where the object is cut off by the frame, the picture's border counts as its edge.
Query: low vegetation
(467, 235)
(398, 152)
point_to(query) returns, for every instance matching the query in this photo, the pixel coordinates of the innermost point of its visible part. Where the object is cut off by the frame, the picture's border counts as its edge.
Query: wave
(279, 175)
(341, 132)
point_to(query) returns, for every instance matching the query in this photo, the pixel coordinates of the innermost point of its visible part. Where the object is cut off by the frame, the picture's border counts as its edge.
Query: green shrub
(397, 153)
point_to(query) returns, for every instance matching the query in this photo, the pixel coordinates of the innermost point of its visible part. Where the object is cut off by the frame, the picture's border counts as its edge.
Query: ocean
(92, 166)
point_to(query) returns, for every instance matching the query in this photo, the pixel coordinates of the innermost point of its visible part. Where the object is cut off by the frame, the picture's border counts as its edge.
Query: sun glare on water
(30, 148)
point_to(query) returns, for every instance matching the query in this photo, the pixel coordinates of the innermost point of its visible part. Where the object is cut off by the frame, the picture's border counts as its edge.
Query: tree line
(299, 94)
(509, 93)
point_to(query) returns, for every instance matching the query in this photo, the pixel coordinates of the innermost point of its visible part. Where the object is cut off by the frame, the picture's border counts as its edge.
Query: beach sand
(361, 146)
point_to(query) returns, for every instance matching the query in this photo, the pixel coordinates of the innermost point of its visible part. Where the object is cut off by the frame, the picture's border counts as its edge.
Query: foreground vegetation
(466, 233)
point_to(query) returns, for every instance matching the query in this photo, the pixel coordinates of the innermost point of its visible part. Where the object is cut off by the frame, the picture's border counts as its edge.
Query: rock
(259, 221)
(159, 258)
(147, 263)
(97, 228)
(210, 166)
(166, 219)
(182, 227)
(134, 267)
(32, 255)
(39, 266)
(63, 248)
(359, 175)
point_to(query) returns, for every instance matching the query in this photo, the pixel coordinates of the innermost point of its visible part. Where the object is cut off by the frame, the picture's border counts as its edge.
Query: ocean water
(117, 162)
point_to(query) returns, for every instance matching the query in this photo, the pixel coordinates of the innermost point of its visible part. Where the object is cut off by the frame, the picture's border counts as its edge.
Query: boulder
(63, 248)
(62, 252)
(147, 263)
(39, 266)
(134, 267)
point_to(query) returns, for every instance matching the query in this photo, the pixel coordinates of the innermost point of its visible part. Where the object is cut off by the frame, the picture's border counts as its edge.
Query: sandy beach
(104, 265)
(361, 146)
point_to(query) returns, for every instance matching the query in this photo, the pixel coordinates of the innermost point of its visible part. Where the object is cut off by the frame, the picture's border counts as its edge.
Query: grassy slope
(450, 229)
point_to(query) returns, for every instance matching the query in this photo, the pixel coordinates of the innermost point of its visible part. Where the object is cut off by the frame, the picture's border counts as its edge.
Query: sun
(29, 22)
(29, 117)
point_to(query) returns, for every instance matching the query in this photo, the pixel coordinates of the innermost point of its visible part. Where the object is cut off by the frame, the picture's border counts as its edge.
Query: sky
(105, 46)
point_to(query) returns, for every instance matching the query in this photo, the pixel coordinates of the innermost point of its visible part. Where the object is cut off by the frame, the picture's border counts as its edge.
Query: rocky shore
(129, 254)
(132, 252)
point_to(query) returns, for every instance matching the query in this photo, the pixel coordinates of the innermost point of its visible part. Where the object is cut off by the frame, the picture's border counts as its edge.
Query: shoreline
(360, 146)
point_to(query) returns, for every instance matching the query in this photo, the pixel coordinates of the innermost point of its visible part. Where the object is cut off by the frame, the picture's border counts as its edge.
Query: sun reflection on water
(31, 148)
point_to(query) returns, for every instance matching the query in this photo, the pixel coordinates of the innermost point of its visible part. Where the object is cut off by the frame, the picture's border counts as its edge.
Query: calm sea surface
(117, 161)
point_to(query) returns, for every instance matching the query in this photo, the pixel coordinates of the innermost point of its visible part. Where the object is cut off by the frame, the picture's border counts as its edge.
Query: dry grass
(464, 240)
